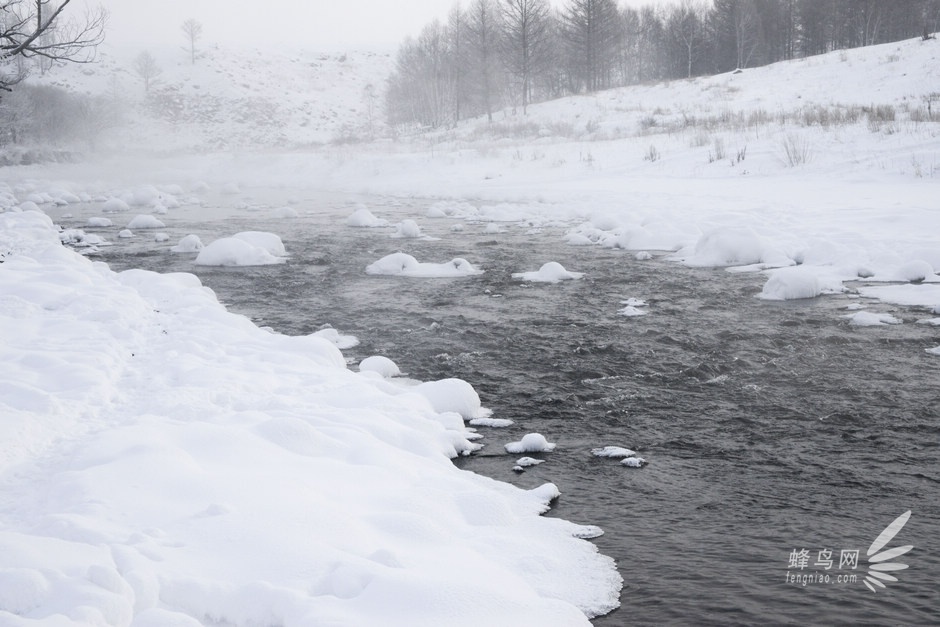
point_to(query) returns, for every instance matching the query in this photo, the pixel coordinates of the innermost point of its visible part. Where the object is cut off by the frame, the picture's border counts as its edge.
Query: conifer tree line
(510, 53)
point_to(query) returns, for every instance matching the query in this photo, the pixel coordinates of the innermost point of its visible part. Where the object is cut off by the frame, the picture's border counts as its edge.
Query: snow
(526, 462)
(407, 229)
(188, 244)
(98, 223)
(383, 366)
(403, 264)
(633, 462)
(145, 222)
(281, 487)
(234, 251)
(284, 488)
(870, 319)
(792, 284)
(551, 272)
(531, 443)
(453, 395)
(612, 451)
(364, 218)
(266, 241)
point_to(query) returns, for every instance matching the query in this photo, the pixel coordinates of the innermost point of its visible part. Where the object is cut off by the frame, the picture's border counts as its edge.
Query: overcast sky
(316, 24)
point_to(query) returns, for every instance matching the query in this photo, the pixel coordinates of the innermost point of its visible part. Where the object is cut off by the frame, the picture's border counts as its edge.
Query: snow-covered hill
(234, 97)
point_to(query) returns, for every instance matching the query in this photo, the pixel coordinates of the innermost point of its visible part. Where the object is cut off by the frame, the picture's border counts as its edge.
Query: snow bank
(402, 264)
(171, 464)
(233, 251)
(551, 272)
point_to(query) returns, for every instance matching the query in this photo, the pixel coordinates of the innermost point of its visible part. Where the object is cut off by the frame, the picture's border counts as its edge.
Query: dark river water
(769, 428)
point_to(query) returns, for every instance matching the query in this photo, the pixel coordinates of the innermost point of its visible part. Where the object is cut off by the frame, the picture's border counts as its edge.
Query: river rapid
(769, 428)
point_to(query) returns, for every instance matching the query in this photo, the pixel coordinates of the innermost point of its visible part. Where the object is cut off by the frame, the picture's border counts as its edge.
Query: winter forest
(497, 53)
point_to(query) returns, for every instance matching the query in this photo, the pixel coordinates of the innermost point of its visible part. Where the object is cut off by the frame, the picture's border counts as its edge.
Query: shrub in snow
(454, 395)
(381, 365)
(551, 272)
(230, 251)
(145, 222)
(189, 244)
(99, 223)
(791, 284)
(531, 443)
(727, 247)
(115, 205)
(363, 218)
(268, 241)
(407, 229)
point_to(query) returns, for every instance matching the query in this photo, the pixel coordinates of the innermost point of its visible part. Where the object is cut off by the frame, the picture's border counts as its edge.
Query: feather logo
(879, 562)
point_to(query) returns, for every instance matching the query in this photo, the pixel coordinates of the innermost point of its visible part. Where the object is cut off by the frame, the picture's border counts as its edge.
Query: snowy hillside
(234, 97)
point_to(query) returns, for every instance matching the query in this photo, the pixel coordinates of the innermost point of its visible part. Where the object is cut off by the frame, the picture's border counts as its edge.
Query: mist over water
(768, 427)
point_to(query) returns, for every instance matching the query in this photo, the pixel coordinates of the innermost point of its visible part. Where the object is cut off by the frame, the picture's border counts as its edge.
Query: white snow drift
(167, 462)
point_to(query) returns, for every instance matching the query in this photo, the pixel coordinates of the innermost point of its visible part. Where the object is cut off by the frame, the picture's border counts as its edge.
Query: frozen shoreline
(166, 460)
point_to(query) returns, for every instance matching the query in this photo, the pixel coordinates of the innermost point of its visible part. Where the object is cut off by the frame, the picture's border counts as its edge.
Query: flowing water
(769, 428)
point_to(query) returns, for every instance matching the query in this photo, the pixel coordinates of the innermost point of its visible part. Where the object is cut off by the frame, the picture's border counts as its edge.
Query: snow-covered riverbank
(165, 461)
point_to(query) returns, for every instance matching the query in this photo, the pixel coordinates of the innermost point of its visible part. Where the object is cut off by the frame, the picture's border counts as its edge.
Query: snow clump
(792, 284)
(261, 239)
(402, 264)
(551, 272)
(232, 251)
(612, 451)
(869, 319)
(189, 244)
(363, 218)
(145, 222)
(407, 229)
(380, 365)
(531, 443)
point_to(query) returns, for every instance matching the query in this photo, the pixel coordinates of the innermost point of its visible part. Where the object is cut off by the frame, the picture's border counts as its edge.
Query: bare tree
(686, 24)
(192, 31)
(147, 69)
(38, 29)
(525, 42)
(483, 33)
(591, 30)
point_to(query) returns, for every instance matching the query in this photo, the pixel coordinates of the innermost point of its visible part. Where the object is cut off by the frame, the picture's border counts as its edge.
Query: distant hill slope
(252, 98)
(235, 98)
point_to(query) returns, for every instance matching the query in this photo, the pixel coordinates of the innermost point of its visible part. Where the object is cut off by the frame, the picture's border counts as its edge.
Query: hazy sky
(316, 24)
